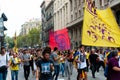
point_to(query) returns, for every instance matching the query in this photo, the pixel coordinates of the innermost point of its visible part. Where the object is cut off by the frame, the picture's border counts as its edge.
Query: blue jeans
(3, 75)
(14, 74)
(56, 72)
(62, 68)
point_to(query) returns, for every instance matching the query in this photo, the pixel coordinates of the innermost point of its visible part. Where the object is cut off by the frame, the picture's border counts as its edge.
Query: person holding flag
(81, 64)
(14, 66)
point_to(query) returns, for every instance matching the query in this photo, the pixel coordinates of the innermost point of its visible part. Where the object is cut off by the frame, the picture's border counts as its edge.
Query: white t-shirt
(83, 63)
(101, 57)
(3, 59)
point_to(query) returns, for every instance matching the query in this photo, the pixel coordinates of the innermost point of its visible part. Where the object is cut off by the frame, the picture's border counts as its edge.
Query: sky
(18, 12)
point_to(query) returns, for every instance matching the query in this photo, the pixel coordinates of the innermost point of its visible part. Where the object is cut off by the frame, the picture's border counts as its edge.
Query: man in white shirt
(4, 64)
(81, 63)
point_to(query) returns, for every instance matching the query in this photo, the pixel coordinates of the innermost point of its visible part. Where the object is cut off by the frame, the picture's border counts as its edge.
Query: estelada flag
(61, 39)
(100, 27)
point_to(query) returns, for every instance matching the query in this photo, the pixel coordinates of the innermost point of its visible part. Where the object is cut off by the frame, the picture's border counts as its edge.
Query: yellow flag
(100, 27)
(15, 49)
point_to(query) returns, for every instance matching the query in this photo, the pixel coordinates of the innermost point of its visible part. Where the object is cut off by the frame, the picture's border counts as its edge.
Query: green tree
(9, 41)
(34, 35)
(31, 39)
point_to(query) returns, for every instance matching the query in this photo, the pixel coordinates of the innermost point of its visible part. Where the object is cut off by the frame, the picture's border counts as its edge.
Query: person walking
(93, 59)
(81, 64)
(56, 59)
(32, 61)
(62, 63)
(101, 61)
(26, 65)
(87, 58)
(70, 60)
(14, 66)
(37, 57)
(68, 64)
(113, 67)
(44, 68)
(4, 64)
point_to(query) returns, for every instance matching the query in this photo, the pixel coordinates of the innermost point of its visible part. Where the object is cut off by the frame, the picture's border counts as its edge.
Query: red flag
(59, 39)
(52, 40)
(62, 39)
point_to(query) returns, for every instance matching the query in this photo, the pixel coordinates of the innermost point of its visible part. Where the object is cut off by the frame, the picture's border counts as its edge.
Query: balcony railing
(76, 21)
(50, 26)
(46, 37)
(49, 16)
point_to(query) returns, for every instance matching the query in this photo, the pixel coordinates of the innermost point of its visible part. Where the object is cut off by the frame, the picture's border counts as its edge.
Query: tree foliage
(9, 41)
(31, 39)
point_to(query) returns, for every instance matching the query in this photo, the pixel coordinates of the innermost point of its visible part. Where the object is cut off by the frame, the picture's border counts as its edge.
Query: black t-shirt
(93, 58)
(44, 66)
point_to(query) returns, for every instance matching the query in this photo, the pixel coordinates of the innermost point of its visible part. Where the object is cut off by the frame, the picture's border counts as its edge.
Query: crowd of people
(46, 64)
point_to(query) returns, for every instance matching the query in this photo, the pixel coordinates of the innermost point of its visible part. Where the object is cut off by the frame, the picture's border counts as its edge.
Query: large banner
(61, 39)
(100, 27)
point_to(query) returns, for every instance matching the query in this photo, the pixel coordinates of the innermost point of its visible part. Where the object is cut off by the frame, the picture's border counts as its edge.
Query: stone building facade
(69, 14)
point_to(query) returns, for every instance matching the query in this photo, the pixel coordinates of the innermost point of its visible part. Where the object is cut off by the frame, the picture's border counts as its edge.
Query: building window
(76, 33)
(71, 5)
(58, 3)
(76, 15)
(104, 2)
(66, 13)
(55, 20)
(55, 6)
(72, 34)
(71, 18)
(100, 2)
(79, 13)
(58, 20)
(75, 4)
(61, 17)
(79, 2)
(82, 1)
(82, 11)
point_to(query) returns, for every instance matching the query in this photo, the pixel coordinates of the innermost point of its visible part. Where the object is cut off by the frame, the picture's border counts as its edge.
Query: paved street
(99, 76)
